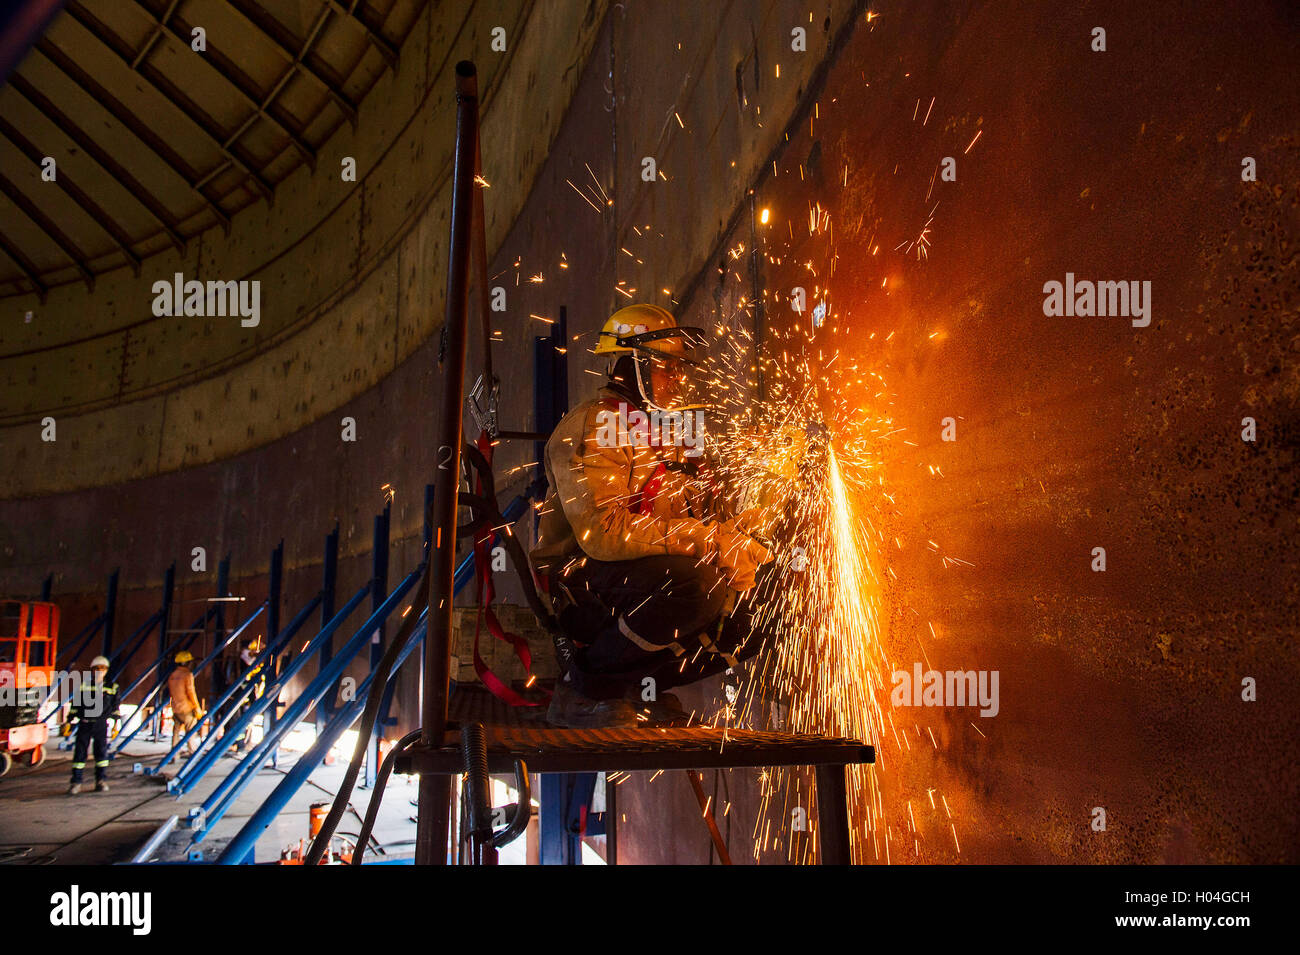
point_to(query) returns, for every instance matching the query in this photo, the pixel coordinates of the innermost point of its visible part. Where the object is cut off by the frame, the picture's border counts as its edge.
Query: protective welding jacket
(94, 701)
(618, 499)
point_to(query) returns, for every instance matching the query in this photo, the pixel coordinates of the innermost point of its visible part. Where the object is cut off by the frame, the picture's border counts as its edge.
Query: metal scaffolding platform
(642, 748)
(653, 748)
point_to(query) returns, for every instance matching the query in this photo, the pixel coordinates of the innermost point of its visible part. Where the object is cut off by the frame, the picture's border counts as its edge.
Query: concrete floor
(105, 828)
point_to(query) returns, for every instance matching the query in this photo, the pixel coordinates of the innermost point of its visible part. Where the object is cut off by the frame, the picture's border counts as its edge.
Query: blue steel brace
(269, 652)
(201, 762)
(273, 629)
(379, 561)
(110, 614)
(215, 806)
(240, 848)
(69, 655)
(165, 617)
(331, 570)
(118, 660)
(165, 671)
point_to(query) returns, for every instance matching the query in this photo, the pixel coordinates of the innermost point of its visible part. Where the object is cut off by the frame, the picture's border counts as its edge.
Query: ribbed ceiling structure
(154, 141)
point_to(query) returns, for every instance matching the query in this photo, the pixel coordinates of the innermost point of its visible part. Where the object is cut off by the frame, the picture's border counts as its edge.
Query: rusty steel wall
(1120, 690)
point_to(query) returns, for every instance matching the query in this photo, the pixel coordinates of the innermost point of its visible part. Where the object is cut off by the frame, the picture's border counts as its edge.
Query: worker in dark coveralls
(641, 567)
(93, 705)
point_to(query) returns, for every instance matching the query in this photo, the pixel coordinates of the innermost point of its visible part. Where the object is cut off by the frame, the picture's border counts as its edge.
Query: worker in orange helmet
(186, 710)
(639, 565)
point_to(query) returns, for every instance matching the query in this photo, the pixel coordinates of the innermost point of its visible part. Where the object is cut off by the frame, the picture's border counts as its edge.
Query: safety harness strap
(486, 593)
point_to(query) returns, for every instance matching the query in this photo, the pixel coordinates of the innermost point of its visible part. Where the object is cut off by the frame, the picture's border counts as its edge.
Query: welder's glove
(757, 522)
(738, 557)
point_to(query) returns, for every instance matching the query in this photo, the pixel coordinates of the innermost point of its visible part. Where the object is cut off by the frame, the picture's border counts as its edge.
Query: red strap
(486, 594)
(643, 501)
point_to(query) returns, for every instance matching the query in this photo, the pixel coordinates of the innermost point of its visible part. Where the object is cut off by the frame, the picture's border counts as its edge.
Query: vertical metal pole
(169, 582)
(326, 706)
(560, 362)
(428, 517)
(832, 816)
(110, 614)
(611, 822)
(47, 587)
(550, 383)
(428, 544)
(223, 590)
(274, 591)
(379, 591)
(558, 845)
(435, 792)
(218, 676)
(481, 269)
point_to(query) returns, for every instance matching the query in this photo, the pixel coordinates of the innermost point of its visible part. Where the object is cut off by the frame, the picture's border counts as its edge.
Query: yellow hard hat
(647, 329)
(184, 657)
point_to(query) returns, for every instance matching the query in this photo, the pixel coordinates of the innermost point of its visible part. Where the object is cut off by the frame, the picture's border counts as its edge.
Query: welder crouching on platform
(641, 568)
(93, 705)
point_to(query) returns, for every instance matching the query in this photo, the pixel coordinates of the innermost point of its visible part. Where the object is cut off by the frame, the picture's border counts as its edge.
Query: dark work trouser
(88, 732)
(657, 617)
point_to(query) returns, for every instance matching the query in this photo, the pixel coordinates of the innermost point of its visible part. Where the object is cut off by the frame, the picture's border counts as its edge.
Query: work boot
(666, 710)
(74, 789)
(101, 786)
(569, 709)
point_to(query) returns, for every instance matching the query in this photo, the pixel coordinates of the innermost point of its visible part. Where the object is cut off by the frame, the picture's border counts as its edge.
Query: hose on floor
(374, 699)
(377, 794)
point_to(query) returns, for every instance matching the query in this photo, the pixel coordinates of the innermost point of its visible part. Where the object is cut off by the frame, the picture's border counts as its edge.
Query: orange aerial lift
(29, 643)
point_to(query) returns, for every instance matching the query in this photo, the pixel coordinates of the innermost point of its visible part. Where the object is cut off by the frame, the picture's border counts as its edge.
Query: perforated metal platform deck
(643, 748)
(547, 750)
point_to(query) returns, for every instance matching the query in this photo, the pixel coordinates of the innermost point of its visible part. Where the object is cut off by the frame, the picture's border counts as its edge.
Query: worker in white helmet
(94, 704)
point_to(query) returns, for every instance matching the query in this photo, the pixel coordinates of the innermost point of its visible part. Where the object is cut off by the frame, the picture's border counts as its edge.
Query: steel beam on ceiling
(229, 71)
(351, 15)
(116, 170)
(119, 111)
(170, 91)
(297, 53)
(27, 267)
(155, 33)
(43, 222)
(74, 192)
